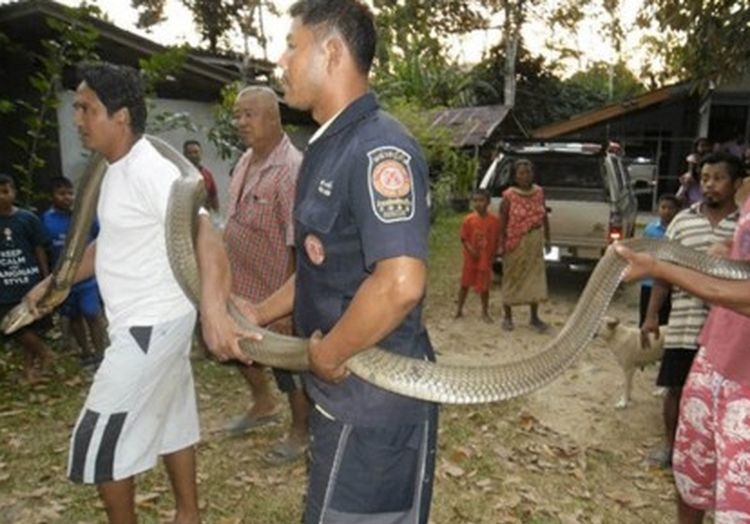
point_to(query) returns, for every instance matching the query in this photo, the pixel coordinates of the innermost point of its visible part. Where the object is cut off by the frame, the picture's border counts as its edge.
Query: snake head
(23, 315)
(17, 318)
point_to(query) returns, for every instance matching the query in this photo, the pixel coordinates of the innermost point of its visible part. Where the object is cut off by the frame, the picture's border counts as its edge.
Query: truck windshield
(562, 175)
(568, 171)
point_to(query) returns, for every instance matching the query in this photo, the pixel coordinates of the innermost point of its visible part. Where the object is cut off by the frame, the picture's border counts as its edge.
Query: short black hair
(481, 192)
(351, 18)
(190, 142)
(57, 182)
(734, 165)
(7, 180)
(669, 197)
(118, 87)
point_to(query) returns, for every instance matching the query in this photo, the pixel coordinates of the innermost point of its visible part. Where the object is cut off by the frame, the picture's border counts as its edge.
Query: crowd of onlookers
(704, 371)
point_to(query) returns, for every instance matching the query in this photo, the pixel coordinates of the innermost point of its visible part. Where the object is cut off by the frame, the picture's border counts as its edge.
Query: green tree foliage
(451, 171)
(75, 41)
(601, 76)
(222, 134)
(428, 82)
(414, 76)
(157, 68)
(8, 46)
(407, 27)
(542, 97)
(162, 66)
(705, 40)
(215, 19)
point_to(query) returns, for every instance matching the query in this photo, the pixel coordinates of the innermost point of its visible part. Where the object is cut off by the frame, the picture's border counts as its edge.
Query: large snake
(436, 382)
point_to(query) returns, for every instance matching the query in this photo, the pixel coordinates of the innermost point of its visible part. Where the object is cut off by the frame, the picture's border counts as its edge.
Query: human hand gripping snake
(435, 382)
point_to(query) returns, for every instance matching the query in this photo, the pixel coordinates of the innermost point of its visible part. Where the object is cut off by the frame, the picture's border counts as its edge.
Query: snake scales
(435, 382)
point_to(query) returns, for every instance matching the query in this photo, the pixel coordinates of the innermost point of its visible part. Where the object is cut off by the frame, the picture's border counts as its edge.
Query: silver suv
(590, 198)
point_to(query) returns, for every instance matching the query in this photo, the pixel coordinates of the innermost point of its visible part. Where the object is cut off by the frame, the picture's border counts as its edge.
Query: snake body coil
(429, 381)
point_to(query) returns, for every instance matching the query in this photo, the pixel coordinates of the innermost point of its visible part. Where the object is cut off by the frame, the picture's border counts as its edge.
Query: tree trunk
(509, 78)
(513, 11)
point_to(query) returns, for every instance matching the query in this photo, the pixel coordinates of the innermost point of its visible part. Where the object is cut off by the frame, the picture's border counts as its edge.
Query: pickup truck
(589, 196)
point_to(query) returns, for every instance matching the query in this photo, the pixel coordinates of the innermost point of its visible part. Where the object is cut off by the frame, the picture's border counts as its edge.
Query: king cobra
(435, 382)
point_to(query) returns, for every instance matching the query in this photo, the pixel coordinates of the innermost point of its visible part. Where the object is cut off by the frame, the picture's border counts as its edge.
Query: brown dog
(625, 344)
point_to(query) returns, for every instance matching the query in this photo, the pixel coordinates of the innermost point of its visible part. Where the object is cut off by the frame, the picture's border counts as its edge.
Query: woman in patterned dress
(524, 235)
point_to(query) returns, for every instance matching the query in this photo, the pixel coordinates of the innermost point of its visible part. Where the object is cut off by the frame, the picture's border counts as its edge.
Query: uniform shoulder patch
(391, 184)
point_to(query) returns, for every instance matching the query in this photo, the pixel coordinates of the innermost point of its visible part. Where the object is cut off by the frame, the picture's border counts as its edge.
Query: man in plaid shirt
(259, 239)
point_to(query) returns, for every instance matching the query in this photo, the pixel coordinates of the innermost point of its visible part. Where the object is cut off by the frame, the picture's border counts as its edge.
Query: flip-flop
(245, 423)
(284, 452)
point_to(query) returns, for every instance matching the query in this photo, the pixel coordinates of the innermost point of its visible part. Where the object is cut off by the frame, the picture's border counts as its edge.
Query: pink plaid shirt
(259, 229)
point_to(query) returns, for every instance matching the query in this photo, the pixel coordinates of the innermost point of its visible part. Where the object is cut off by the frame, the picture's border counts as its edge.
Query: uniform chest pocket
(318, 213)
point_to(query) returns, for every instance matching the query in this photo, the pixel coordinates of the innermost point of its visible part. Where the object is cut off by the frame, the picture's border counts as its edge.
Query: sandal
(246, 423)
(284, 452)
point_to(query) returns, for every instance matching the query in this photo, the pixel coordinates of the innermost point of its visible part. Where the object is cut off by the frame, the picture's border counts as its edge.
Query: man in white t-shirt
(142, 403)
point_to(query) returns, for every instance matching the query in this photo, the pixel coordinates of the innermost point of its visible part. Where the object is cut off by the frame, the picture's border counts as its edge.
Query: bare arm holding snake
(731, 294)
(84, 271)
(398, 282)
(220, 332)
(275, 307)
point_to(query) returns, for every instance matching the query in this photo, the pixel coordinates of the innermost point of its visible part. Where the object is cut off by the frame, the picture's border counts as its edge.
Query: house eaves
(28, 19)
(612, 111)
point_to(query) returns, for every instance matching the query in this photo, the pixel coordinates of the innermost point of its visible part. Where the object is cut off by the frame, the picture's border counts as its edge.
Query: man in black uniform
(361, 228)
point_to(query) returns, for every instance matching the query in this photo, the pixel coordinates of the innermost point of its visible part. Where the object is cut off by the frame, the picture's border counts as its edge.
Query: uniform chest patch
(314, 250)
(391, 184)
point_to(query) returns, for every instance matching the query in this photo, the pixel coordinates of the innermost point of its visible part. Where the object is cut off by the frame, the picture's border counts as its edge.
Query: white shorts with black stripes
(140, 406)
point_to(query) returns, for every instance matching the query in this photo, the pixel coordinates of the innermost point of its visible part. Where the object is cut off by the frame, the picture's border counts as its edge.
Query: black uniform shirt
(361, 198)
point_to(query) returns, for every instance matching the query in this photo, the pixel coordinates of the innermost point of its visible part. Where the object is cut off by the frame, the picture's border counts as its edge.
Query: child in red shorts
(479, 232)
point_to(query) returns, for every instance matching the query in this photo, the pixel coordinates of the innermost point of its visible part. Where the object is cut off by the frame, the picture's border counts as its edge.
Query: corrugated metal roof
(611, 111)
(470, 126)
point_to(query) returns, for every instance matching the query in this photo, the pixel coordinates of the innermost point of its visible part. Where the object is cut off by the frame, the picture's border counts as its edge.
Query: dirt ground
(576, 411)
(580, 404)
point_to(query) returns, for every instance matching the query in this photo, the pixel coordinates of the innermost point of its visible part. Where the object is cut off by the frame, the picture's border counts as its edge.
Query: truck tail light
(615, 233)
(615, 228)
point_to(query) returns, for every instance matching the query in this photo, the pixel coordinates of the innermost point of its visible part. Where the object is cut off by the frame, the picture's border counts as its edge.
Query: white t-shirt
(132, 268)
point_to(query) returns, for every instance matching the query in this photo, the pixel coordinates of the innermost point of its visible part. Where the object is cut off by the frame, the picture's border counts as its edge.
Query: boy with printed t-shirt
(23, 262)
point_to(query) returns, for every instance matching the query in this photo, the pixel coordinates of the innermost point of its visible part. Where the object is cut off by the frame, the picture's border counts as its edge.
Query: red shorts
(473, 277)
(711, 461)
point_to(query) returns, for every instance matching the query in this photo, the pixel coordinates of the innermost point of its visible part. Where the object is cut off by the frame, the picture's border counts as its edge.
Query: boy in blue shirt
(668, 207)
(83, 307)
(23, 263)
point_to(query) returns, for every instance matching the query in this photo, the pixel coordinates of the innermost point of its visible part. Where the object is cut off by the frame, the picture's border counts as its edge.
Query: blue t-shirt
(653, 230)
(20, 233)
(56, 224)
